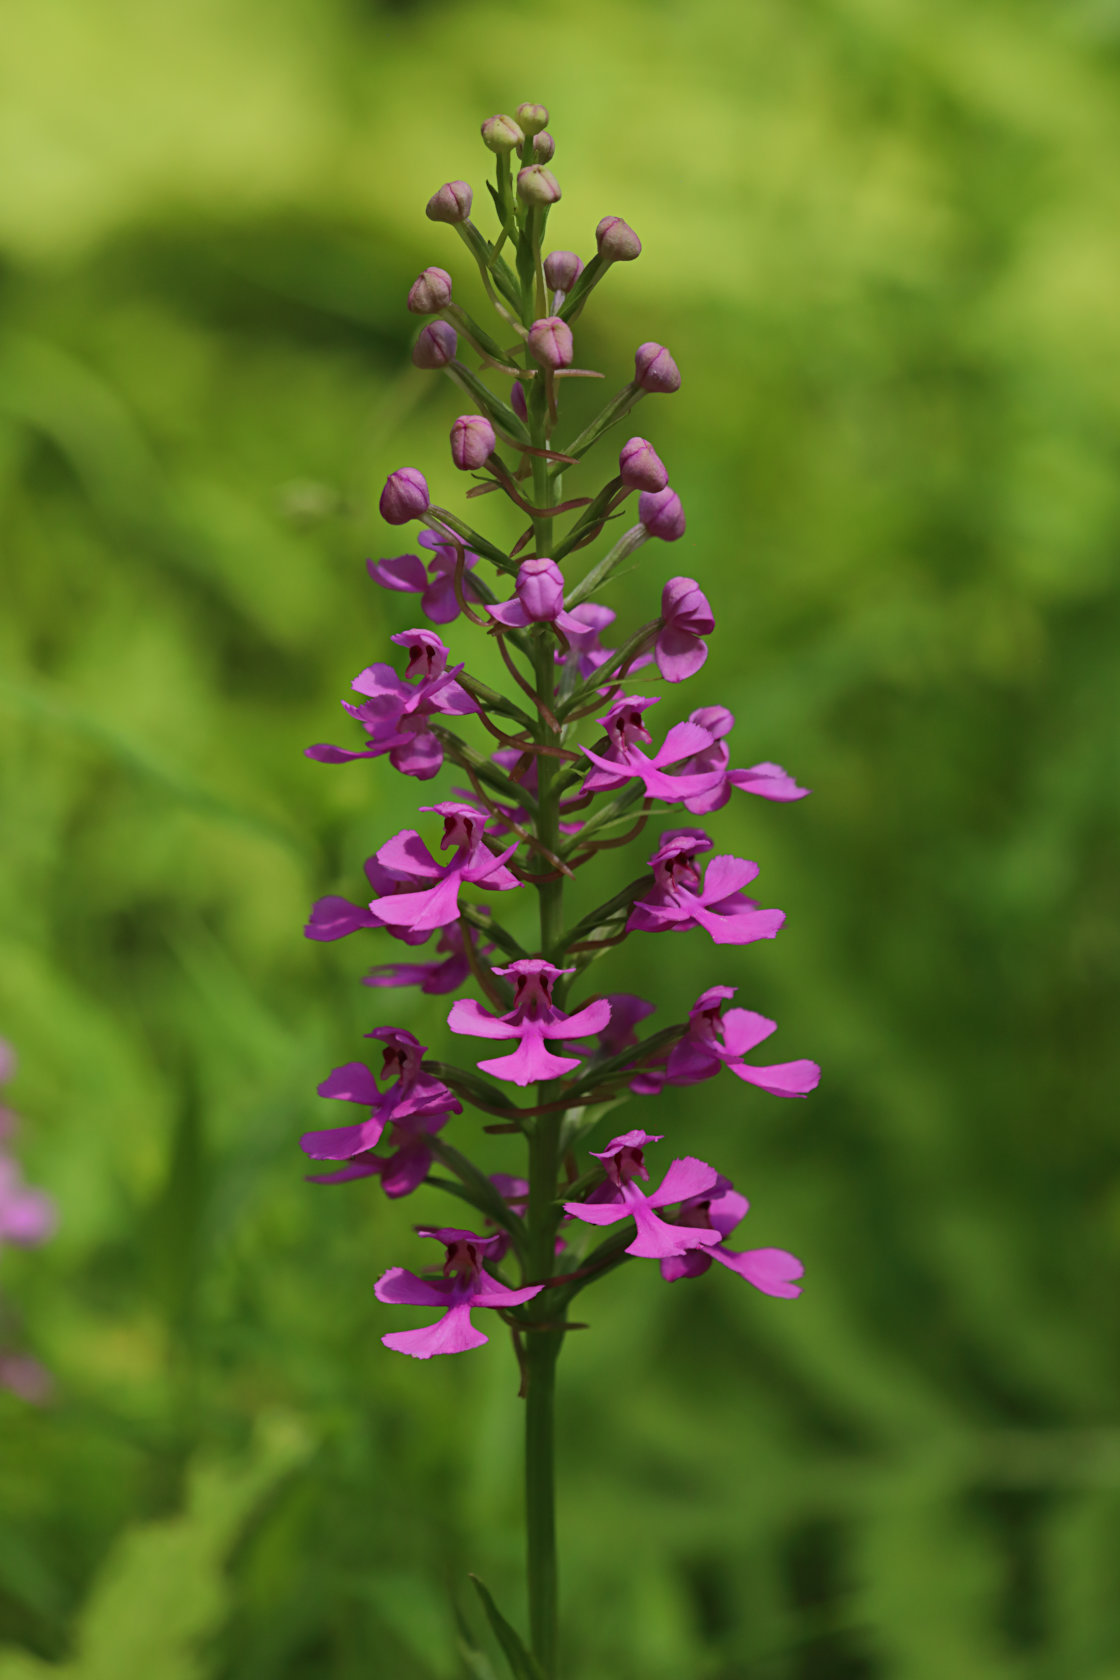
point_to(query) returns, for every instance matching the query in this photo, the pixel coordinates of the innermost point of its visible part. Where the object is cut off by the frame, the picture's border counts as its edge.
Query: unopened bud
(404, 497)
(472, 442)
(639, 466)
(561, 270)
(661, 514)
(517, 400)
(502, 134)
(655, 369)
(550, 342)
(616, 240)
(532, 117)
(452, 203)
(537, 185)
(436, 345)
(430, 292)
(544, 147)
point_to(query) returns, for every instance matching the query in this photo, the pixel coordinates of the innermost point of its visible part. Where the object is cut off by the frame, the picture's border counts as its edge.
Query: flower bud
(452, 203)
(404, 497)
(517, 400)
(640, 467)
(550, 342)
(616, 240)
(655, 369)
(532, 117)
(537, 186)
(430, 292)
(544, 147)
(472, 442)
(540, 589)
(561, 270)
(436, 345)
(661, 514)
(501, 134)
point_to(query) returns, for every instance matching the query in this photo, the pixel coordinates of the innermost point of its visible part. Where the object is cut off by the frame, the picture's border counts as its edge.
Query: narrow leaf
(522, 1665)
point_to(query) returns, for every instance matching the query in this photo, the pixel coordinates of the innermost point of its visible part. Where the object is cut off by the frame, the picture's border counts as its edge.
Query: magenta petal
(368, 1168)
(353, 1082)
(488, 1292)
(744, 1028)
(679, 653)
(770, 1269)
(591, 1019)
(781, 1079)
(324, 753)
(656, 1240)
(454, 1333)
(405, 572)
(690, 1062)
(421, 756)
(768, 780)
(598, 1213)
(399, 1287)
(686, 1177)
(511, 614)
(435, 908)
(726, 1211)
(405, 1170)
(529, 1062)
(727, 874)
(333, 917)
(406, 858)
(27, 1218)
(682, 741)
(339, 1143)
(693, 1264)
(467, 1016)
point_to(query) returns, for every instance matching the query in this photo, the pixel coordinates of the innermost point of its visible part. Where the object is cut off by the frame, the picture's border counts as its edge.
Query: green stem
(543, 1346)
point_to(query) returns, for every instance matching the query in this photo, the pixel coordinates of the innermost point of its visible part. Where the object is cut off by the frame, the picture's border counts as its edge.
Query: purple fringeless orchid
(464, 1285)
(533, 1020)
(537, 791)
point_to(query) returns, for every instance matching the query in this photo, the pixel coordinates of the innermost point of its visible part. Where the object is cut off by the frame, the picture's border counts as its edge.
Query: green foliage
(882, 242)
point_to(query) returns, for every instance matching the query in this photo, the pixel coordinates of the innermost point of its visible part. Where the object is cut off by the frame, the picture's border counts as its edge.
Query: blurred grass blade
(522, 1665)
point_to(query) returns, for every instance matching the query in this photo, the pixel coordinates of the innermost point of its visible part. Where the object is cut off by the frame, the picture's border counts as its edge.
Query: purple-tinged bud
(544, 147)
(404, 497)
(655, 369)
(640, 467)
(502, 134)
(616, 240)
(436, 345)
(661, 514)
(430, 292)
(472, 442)
(517, 400)
(561, 270)
(537, 185)
(452, 203)
(540, 589)
(550, 342)
(532, 117)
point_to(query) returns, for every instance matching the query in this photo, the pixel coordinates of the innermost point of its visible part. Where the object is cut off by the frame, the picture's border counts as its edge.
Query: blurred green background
(883, 242)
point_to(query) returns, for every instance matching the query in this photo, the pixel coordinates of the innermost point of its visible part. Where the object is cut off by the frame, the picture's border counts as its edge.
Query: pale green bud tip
(616, 240)
(452, 203)
(537, 185)
(532, 117)
(502, 134)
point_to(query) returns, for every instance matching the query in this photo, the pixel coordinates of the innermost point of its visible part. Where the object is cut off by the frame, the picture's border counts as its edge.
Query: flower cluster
(570, 761)
(26, 1219)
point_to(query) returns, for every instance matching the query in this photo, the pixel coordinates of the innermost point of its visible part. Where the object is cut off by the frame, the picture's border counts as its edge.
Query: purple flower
(397, 712)
(25, 1378)
(616, 241)
(407, 1165)
(404, 497)
(452, 203)
(550, 342)
(27, 1216)
(770, 1269)
(533, 1019)
(655, 369)
(640, 467)
(769, 781)
(622, 757)
(539, 599)
(472, 442)
(714, 1040)
(463, 1286)
(661, 513)
(621, 1199)
(411, 1092)
(435, 345)
(686, 618)
(517, 400)
(434, 977)
(718, 904)
(406, 859)
(436, 586)
(430, 292)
